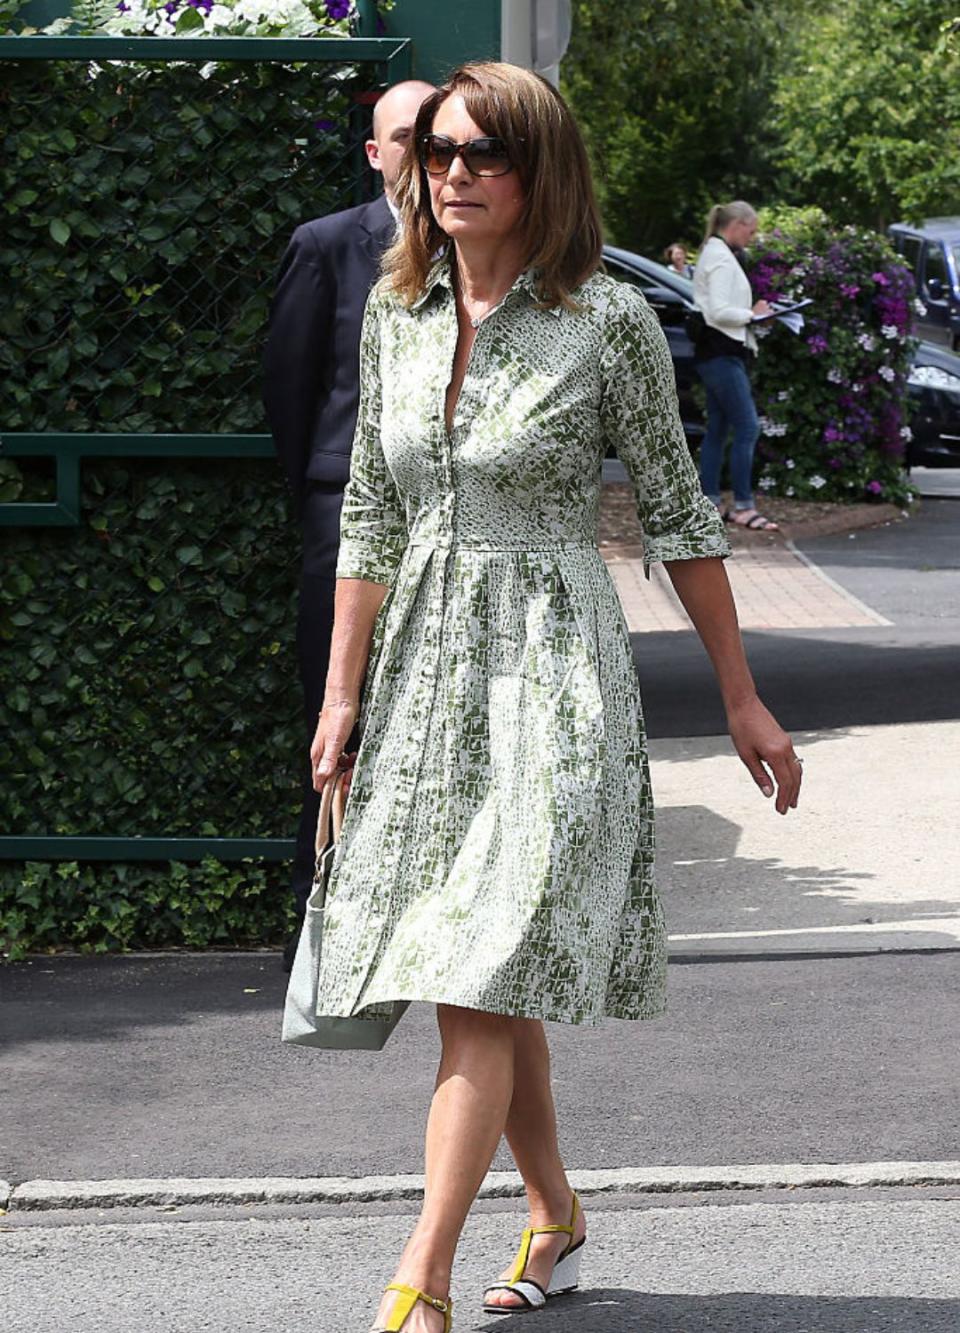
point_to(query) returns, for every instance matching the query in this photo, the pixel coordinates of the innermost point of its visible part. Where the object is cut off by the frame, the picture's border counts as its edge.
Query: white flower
(866, 342)
(906, 433)
(789, 464)
(835, 375)
(887, 373)
(766, 483)
(816, 481)
(790, 491)
(857, 388)
(919, 307)
(772, 428)
(783, 395)
(890, 331)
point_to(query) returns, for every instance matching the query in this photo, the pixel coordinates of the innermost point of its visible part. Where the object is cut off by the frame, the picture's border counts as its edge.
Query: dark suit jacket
(312, 360)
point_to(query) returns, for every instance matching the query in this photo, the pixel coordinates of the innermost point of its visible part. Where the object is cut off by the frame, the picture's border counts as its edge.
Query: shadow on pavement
(615, 1310)
(100, 999)
(708, 885)
(841, 678)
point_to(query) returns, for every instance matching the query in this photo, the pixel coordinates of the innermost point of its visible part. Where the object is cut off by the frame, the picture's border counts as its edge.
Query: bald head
(393, 120)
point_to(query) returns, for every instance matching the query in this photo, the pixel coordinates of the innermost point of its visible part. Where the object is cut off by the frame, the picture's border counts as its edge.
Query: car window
(618, 270)
(935, 266)
(909, 247)
(956, 260)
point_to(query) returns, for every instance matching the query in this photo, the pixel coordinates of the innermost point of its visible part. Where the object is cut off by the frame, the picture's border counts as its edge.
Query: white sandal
(564, 1278)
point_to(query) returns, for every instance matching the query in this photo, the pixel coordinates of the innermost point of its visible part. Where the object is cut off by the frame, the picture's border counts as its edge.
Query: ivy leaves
(146, 208)
(97, 908)
(148, 677)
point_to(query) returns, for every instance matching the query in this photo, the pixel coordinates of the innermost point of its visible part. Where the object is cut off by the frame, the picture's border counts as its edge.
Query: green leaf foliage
(148, 686)
(145, 210)
(148, 680)
(868, 110)
(135, 698)
(98, 908)
(674, 97)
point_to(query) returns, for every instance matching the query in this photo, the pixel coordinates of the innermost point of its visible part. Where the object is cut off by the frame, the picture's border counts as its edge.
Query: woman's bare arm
(704, 590)
(355, 611)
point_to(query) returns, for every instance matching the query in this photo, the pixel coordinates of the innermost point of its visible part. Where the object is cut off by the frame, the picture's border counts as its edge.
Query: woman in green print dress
(497, 854)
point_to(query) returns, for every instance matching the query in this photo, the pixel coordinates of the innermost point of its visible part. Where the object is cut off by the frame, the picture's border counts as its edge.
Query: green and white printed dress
(498, 847)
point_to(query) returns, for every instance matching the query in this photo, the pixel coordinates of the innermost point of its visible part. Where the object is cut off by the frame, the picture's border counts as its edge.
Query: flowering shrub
(234, 18)
(833, 399)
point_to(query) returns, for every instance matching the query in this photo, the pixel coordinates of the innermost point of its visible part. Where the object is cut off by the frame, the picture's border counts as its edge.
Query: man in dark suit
(311, 390)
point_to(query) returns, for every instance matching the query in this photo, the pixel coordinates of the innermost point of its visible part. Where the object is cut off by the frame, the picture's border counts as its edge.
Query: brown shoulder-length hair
(560, 223)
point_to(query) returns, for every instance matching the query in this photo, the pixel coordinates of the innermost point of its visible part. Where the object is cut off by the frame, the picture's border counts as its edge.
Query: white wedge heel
(566, 1274)
(564, 1278)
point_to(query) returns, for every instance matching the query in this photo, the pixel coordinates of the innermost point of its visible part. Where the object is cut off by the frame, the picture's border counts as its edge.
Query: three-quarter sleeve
(640, 418)
(373, 529)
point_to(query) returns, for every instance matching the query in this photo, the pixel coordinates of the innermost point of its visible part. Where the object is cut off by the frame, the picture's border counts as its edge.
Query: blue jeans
(729, 407)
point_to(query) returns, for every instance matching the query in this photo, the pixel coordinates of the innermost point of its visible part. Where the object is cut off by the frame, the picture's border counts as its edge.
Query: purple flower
(834, 463)
(123, 7)
(818, 344)
(849, 290)
(338, 9)
(881, 280)
(171, 6)
(875, 487)
(326, 126)
(205, 5)
(832, 434)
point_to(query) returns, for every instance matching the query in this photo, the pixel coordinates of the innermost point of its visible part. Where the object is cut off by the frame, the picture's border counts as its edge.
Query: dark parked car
(934, 383)
(932, 252)
(935, 399)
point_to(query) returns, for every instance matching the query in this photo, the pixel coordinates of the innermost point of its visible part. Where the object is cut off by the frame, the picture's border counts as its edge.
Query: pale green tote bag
(302, 1024)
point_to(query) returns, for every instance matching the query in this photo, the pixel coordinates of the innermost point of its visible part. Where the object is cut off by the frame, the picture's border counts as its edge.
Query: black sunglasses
(481, 157)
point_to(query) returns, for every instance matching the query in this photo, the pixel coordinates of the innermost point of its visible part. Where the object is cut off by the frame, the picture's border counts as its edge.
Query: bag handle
(330, 818)
(339, 806)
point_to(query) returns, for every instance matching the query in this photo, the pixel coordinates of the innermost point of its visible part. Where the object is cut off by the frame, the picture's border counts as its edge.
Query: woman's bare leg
(467, 1117)
(532, 1134)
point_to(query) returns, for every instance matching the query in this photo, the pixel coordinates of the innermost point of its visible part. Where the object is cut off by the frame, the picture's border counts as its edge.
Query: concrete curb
(37, 1195)
(6, 1189)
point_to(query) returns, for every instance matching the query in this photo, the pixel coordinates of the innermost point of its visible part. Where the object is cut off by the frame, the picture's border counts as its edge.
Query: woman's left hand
(767, 750)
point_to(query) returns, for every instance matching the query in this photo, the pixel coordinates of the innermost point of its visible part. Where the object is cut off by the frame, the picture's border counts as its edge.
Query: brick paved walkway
(774, 589)
(774, 586)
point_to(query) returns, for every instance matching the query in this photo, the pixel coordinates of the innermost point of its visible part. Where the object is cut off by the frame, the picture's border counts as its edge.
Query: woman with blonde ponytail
(721, 291)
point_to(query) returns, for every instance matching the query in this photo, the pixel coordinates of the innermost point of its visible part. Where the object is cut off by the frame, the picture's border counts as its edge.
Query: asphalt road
(833, 1265)
(121, 1067)
(908, 672)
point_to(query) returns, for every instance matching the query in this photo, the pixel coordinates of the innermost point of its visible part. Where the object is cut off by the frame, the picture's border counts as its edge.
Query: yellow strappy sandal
(565, 1276)
(403, 1307)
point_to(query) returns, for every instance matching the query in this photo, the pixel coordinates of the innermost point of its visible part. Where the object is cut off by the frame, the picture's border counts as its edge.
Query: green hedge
(101, 908)
(148, 686)
(148, 681)
(146, 209)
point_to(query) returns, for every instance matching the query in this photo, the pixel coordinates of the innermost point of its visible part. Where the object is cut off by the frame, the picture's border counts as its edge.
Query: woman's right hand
(334, 726)
(762, 309)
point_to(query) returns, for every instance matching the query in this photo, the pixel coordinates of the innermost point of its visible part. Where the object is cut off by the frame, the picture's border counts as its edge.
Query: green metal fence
(154, 185)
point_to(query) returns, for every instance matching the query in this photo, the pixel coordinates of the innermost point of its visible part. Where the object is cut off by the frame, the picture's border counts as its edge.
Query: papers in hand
(787, 312)
(780, 308)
